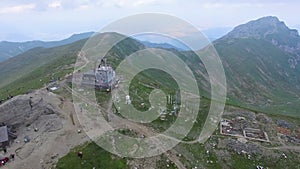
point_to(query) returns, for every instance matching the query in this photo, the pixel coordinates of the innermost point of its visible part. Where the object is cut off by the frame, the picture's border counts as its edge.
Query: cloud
(145, 2)
(130, 3)
(69, 16)
(83, 7)
(236, 5)
(17, 8)
(55, 4)
(45, 5)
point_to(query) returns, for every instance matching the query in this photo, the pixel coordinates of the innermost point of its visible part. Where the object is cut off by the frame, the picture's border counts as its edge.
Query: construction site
(238, 128)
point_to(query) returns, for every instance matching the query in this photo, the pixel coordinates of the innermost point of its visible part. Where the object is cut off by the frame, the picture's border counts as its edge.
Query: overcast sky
(57, 19)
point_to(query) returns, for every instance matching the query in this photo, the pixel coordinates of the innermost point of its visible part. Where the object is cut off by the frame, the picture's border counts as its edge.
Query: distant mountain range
(260, 58)
(169, 43)
(10, 49)
(161, 45)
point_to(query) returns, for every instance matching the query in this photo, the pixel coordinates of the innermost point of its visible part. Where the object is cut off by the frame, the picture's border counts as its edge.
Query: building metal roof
(3, 134)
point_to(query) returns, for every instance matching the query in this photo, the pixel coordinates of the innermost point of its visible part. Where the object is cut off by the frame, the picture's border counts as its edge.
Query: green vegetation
(196, 155)
(163, 164)
(36, 68)
(93, 156)
(250, 65)
(242, 162)
(144, 83)
(28, 62)
(11, 49)
(260, 67)
(103, 98)
(128, 132)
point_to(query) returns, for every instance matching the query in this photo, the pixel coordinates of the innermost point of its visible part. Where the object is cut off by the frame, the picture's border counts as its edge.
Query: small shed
(3, 136)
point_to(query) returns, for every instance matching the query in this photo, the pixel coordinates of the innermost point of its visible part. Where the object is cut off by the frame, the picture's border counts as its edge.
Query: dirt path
(119, 122)
(86, 61)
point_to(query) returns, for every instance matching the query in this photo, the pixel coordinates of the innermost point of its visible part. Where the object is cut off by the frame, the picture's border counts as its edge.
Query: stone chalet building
(103, 78)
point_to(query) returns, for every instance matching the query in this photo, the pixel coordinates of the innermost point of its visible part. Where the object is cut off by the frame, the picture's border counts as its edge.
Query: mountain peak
(272, 30)
(262, 28)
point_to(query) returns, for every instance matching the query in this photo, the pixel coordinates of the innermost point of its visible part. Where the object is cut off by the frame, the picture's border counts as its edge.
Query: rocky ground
(47, 119)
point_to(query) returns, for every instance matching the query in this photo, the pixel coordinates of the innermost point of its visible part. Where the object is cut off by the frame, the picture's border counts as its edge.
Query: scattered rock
(239, 147)
(53, 156)
(285, 124)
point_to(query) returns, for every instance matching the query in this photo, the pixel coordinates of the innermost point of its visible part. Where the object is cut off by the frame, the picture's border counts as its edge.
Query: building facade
(101, 78)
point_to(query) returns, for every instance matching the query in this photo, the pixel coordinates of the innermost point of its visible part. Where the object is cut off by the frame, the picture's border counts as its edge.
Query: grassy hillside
(259, 75)
(36, 67)
(11, 49)
(93, 156)
(22, 65)
(40, 76)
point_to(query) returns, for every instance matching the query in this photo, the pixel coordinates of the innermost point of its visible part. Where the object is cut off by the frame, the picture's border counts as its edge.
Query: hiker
(4, 150)
(12, 156)
(79, 154)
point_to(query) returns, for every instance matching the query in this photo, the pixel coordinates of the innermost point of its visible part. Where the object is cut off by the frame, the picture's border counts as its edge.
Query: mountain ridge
(258, 72)
(273, 30)
(262, 74)
(11, 49)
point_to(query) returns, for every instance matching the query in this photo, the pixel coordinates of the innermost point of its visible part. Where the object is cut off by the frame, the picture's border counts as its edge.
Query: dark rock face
(24, 110)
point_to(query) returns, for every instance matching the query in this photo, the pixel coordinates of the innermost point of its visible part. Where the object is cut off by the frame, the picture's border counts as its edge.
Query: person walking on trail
(4, 150)
(12, 156)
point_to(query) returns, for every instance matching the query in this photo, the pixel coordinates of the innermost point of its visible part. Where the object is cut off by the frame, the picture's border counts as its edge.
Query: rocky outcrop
(25, 109)
(262, 29)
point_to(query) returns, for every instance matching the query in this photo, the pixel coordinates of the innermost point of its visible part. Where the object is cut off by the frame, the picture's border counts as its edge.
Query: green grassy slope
(27, 62)
(259, 76)
(10, 49)
(93, 156)
(36, 67)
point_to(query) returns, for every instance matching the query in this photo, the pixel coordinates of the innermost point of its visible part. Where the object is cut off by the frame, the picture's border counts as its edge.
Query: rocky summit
(273, 30)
